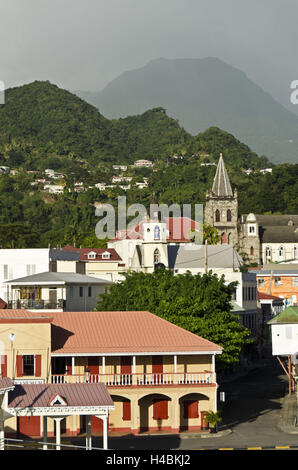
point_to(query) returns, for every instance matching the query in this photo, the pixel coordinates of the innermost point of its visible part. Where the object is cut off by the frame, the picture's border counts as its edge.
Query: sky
(82, 45)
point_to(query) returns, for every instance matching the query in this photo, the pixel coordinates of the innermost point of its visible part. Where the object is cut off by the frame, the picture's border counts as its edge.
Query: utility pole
(206, 256)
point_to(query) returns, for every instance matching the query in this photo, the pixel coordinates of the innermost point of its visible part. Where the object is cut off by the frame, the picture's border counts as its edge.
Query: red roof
(3, 304)
(122, 332)
(262, 296)
(21, 316)
(99, 251)
(39, 395)
(179, 229)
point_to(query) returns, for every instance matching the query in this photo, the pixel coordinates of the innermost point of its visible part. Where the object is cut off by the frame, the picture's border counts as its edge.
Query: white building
(56, 291)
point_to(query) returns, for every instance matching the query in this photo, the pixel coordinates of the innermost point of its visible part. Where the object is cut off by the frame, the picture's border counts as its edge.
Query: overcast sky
(83, 44)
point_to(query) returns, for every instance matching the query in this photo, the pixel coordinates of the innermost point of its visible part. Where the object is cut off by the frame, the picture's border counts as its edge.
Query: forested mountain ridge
(44, 126)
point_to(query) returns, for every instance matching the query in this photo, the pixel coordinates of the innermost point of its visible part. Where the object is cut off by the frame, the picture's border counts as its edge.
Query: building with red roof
(159, 376)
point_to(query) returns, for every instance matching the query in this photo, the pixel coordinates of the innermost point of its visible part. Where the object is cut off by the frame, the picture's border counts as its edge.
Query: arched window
(156, 233)
(156, 256)
(251, 251)
(229, 238)
(295, 252)
(281, 251)
(229, 215)
(268, 252)
(217, 216)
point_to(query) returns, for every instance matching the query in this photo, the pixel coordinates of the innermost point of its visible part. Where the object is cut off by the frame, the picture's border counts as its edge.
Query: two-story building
(160, 376)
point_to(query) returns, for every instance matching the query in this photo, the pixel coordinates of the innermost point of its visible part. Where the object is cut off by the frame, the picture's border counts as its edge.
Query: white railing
(126, 380)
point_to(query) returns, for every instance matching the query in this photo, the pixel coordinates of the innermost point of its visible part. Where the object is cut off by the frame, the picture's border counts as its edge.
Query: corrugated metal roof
(12, 314)
(218, 256)
(122, 332)
(53, 277)
(5, 384)
(40, 395)
(288, 315)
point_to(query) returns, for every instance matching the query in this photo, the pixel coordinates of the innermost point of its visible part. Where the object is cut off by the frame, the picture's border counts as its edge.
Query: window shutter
(3, 366)
(19, 366)
(126, 411)
(38, 365)
(160, 409)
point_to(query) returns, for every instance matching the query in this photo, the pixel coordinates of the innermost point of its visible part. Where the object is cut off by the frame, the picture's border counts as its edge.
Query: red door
(29, 426)
(126, 370)
(93, 365)
(157, 369)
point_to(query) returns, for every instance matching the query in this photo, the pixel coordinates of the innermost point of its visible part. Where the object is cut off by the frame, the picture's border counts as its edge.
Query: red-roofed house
(160, 376)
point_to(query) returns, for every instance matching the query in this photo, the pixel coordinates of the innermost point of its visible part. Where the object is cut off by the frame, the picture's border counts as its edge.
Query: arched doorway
(155, 412)
(192, 407)
(223, 238)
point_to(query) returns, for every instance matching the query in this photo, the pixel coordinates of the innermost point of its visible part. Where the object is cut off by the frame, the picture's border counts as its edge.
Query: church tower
(221, 209)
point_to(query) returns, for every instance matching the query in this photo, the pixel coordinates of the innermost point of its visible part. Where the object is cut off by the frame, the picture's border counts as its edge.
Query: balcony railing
(126, 380)
(35, 304)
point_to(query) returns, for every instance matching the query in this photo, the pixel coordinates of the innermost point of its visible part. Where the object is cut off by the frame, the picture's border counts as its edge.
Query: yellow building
(160, 377)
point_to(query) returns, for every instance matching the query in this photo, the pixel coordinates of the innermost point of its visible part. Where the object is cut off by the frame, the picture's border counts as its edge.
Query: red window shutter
(38, 365)
(3, 360)
(19, 366)
(157, 364)
(126, 411)
(191, 409)
(160, 409)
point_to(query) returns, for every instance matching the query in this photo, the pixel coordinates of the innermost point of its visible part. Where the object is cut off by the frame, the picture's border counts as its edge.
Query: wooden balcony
(141, 380)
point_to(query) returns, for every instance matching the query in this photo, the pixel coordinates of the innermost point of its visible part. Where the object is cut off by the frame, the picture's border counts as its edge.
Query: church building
(257, 238)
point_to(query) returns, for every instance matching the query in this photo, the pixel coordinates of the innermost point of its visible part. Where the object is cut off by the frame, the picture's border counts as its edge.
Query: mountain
(201, 93)
(44, 126)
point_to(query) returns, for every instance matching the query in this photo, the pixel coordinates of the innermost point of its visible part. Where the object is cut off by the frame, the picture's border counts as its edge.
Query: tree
(198, 303)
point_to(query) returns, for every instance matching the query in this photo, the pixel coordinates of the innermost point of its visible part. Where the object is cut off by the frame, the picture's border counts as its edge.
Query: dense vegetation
(43, 126)
(200, 304)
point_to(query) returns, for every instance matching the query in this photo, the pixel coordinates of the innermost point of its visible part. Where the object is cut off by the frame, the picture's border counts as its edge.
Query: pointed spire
(221, 184)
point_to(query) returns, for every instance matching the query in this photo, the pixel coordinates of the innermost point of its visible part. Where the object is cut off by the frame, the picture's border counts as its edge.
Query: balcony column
(135, 415)
(175, 414)
(73, 365)
(58, 431)
(88, 433)
(45, 433)
(2, 437)
(103, 364)
(133, 364)
(105, 432)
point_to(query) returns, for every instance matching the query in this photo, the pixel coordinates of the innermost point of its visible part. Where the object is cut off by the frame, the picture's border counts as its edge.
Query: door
(157, 369)
(29, 426)
(93, 365)
(126, 370)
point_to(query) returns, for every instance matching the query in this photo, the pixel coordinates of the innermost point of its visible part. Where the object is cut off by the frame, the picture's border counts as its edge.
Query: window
(295, 281)
(217, 216)
(251, 251)
(277, 281)
(281, 251)
(5, 271)
(251, 229)
(89, 291)
(92, 255)
(261, 282)
(106, 255)
(71, 292)
(268, 252)
(156, 233)
(28, 364)
(156, 256)
(229, 215)
(81, 291)
(295, 252)
(126, 411)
